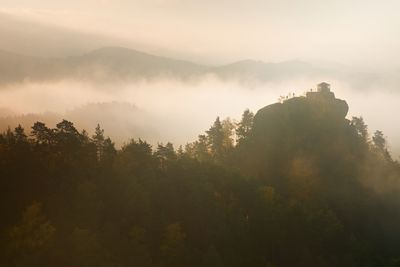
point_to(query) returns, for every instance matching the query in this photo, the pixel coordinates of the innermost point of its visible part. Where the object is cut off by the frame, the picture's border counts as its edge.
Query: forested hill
(296, 184)
(300, 128)
(118, 64)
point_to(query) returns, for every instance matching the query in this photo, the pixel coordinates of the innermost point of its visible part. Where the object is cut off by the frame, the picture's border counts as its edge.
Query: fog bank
(172, 110)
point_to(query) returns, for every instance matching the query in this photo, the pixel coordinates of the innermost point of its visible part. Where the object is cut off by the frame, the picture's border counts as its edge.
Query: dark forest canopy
(296, 184)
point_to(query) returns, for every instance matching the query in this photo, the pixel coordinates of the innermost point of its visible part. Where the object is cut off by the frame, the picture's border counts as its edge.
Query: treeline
(290, 186)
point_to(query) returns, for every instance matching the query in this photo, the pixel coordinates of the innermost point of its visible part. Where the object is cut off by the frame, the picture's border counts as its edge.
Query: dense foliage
(296, 184)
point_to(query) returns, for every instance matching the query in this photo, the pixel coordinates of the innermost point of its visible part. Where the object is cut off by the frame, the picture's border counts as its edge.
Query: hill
(106, 64)
(117, 64)
(302, 186)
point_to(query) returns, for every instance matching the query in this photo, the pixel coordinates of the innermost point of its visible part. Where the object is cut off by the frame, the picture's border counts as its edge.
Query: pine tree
(245, 125)
(216, 139)
(99, 139)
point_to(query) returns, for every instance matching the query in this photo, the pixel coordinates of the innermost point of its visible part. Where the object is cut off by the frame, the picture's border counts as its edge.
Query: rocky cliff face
(302, 114)
(311, 128)
(327, 101)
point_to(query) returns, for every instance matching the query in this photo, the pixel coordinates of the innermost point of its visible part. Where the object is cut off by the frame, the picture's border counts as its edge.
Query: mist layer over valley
(137, 95)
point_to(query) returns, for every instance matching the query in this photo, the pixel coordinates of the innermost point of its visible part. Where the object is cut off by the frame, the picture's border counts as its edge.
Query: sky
(362, 36)
(359, 33)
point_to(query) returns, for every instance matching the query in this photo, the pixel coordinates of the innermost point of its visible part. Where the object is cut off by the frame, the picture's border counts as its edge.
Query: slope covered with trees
(296, 184)
(122, 65)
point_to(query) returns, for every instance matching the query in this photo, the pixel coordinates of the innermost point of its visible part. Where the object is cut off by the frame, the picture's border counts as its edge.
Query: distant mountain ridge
(102, 64)
(121, 64)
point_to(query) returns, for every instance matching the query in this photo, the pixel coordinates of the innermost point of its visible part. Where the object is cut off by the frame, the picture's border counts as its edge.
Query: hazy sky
(349, 31)
(354, 32)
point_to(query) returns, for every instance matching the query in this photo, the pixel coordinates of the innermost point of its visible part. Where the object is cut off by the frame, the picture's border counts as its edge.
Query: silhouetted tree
(361, 127)
(41, 133)
(228, 128)
(99, 141)
(245, 125)
(20, 136)
(215, 136)
(379, 140)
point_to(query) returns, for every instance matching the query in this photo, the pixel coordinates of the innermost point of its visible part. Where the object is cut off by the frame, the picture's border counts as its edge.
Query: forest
(295, 184)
